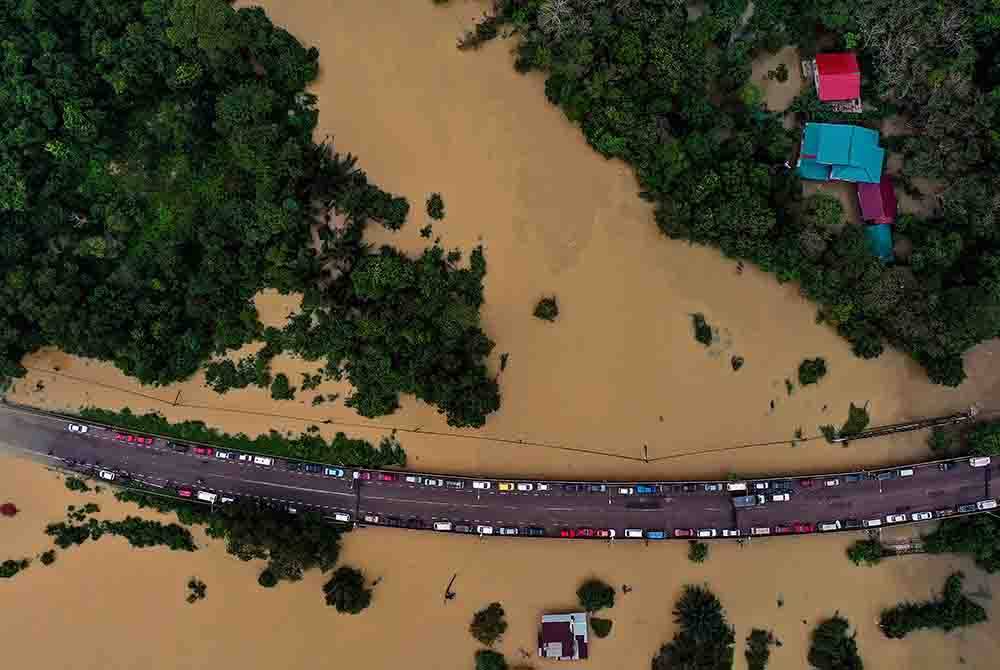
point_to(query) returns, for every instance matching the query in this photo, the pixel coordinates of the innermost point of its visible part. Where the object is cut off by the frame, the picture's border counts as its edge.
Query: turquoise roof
(880, 240)
(842, 152)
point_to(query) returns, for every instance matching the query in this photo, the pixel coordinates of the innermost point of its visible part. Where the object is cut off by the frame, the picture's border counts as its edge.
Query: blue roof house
(840, 152)
(880, 240)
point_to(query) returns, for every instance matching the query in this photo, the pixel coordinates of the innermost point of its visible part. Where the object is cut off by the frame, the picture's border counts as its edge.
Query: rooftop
(841, 152)
(563, 637)
(838, 76)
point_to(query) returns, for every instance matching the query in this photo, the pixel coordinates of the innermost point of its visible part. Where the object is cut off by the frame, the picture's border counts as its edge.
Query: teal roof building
(880, 240)
(840, 152)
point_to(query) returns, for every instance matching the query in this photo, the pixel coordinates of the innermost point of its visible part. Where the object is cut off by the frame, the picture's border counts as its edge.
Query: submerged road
(650, 510)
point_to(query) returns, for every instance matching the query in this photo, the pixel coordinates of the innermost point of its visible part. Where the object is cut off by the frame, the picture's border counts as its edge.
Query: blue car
(644, 489)
(655, 535)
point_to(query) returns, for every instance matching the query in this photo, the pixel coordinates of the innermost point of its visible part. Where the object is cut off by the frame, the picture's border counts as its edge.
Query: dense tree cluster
(139, 533)
(758, 651)
(346, 591)
(488, 624)
(671, 95)
(157, 170)
(705, 639)
(952, 610)
(865, 552)
(978, 536)
(595, 595)
(833, 646)
(11, 567)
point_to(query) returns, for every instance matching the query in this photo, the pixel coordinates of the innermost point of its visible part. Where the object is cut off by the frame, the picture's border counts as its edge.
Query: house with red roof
(877, 202)
(837, 77)
(563, 637)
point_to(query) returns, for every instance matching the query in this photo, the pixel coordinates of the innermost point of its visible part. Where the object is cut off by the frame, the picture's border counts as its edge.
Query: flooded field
(618, 372)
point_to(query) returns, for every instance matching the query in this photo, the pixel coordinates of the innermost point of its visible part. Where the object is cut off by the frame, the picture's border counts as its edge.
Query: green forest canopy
(157, 170)
(671, 95)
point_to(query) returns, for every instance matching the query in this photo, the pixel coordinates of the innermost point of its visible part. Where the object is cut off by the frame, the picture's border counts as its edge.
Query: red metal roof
(877, 201)
(839, 76)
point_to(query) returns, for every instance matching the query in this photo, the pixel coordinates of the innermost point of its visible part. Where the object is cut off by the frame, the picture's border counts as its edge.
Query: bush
(758, 651)
(346, 591)
(697, 551)
(547, 309)
(702, 331)
(601, 627)
(48, 557)
(435, 206)
(952, 610)
(832, 648)
(197, 590)
(488, 625)
(865, 552)
(10, 567)
(267, 579)
(811, 371)
(595, 595)
(487, 659)
(984, 439)
(76, 484)
(281, 389)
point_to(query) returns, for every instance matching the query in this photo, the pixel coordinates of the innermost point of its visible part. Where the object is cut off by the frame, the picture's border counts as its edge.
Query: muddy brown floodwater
(619, 371)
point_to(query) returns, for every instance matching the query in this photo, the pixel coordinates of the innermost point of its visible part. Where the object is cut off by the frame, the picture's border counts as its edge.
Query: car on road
(312, 468)
(433, 481)
(178, 447)
(827, 526)
(203, 451)
(107, 474)
(567, 532)
(606, 532)
(736, 486)
(333, 472)
(655, 535)
(781, 497)
(831, 482)
(542, 486)
(412, 479)
(783, 484)
(730, 532)
(761, 486)
(673, 488)
(598, 488)
(984, 505)
(266, 461)
(895, 518)
(371, 518)
(244, 458)
(683, 532)
(872, 523)
(342, 517)
(886, 475)
(707, 532)
(965, 509)
(633, 532)
(574, 488)
(979, 461)
(947, 511)
(442, 525)
(207, 496)
(291, 509)
(690, 488)
(387, 477)
(645, 489)
(626, 490)
(225, 500)
(853, 479)
(525, 486)
(506, 486)
(906, 472)
(852, 523)
(120, 437)
(803, 527)
(945, 467)
(534, 531)
(921, 516)
(76, 428)
(586, 532)
(464, 528)
(484, 530)
(760, 530)
(185, 493)
(455, 484)
(807, 483)
(224, 454)
(481, 486)
(507, 530)
(713, 487)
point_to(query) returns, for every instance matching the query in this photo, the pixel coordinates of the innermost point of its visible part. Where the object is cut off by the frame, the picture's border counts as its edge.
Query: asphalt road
(675, 505)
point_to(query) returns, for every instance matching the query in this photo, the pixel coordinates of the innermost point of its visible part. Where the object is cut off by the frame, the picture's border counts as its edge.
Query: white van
(761, 530)
(205, 496)
(979, 461)
(871, 523)
(906, 472)
(442, 525)
(736, 486)
(986, 504)
(342, 517)
(827, 526)
(263, 460)
(633, 532)
(481, 486)
(484, 530)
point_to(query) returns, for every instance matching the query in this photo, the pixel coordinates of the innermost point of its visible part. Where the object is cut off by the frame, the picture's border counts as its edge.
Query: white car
(263, 460)
(781, 497)
(922, 516)
(543, 487)
(76, 428)
(761, 530)
(412, 479)
(482, 486)
(223, 454)
(107, 474)
(979, 461)
(227, 499)
(827, 526)
(508, 531)
(730, 532)
(625, 491)
(525, 486)
(707, 532)
(762, 486)
(831, 482)
(871, 523)
(895, 518)
(986, 504)
(442, 525)
(342, 517)
(292, 509)
(206, 496)
(433, 481)
(244, 458)
(371, 518)
(484, 530)
(633, 532)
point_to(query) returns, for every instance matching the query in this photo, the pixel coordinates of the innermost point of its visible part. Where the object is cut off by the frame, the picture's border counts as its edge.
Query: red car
(683, 532)
(364, 475)
(586, 532)
(120, 436)
(782, 530)
(386, 477)
(146, 440)
(804, 527)
(184, 493)
(130, 438)
(204, 451)
(567, 532)
(807, 483)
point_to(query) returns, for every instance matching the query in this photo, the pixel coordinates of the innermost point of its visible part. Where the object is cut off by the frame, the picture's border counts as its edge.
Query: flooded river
(616, 378)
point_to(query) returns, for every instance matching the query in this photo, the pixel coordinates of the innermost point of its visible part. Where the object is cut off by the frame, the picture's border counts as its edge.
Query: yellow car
(506, 486)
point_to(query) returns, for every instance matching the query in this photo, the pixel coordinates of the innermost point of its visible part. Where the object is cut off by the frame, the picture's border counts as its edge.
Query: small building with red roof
(563, 637)
(838, 76)
(877, 202)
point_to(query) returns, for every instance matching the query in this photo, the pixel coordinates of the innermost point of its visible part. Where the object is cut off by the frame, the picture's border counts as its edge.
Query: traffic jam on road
(755, 508)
